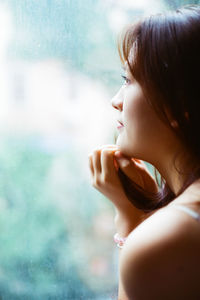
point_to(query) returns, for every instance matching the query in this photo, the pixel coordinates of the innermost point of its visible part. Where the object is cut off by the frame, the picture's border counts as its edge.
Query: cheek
(134, 119)
(141, 123)
(134, 110)
(142, 128)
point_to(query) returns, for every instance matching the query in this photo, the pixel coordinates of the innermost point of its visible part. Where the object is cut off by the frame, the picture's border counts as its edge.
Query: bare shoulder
(161, 258)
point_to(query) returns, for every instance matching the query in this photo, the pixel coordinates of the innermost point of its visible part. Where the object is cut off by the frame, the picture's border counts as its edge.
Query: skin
(144, 137)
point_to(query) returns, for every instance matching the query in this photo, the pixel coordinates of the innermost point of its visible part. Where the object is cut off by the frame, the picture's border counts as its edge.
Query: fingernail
(118, 155)
(123, 162)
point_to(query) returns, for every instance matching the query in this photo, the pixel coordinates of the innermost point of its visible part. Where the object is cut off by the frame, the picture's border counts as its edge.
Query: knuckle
(97, 182)
(107, 152)
(104, 151)
(94, 152)
(97, 150)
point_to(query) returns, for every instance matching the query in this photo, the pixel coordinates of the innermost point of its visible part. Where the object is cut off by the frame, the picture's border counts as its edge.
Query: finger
(136, 161)
(124, 160)
(107, 161)
(109, 146)
(130, 168)
(96, 162)
(144, 168)
(114, 147)
(140, 163)
(91, 164)
(127, 166)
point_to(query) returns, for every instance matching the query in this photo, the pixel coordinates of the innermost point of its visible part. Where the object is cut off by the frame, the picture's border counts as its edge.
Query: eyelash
(127, 81)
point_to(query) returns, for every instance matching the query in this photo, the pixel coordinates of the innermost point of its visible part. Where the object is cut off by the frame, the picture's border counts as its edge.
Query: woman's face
(141, 132)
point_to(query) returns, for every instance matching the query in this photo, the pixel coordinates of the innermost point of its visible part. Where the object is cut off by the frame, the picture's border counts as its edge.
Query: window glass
(59, 68)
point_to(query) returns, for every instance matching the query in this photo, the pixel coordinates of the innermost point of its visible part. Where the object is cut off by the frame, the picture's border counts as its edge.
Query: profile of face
(142, 134)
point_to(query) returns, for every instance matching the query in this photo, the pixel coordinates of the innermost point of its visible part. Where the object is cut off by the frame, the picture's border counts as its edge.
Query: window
(59, 69)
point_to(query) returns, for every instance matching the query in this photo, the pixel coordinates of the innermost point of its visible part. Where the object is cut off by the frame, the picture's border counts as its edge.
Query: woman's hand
(104, 163)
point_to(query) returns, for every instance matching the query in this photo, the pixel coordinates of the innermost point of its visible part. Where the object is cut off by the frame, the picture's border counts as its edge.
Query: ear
(170, 118)
(172, 121)
(174, 124)
(187, 115)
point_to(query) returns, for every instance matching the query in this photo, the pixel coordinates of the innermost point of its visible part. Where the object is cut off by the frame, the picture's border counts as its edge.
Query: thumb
(137, 171)
(130, 168)
(123, 161)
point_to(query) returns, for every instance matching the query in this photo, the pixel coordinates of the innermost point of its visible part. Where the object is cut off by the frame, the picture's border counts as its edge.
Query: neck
(175, 172)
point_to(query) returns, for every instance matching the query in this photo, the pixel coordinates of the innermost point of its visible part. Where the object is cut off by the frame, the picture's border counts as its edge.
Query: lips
(119, 124)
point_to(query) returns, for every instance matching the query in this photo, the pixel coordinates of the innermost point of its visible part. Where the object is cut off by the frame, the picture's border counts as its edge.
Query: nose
(117, 101)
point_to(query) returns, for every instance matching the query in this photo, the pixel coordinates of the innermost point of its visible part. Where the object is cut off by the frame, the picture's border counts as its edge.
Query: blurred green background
(59, 70)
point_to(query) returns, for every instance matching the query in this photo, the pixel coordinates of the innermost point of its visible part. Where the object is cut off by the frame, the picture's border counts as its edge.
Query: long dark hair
(163, 55)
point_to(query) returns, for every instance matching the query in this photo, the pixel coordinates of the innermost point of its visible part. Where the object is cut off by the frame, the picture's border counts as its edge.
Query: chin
(124, 148)
(127, 149)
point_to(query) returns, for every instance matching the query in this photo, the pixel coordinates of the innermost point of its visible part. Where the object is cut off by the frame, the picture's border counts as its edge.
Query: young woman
(158, 106)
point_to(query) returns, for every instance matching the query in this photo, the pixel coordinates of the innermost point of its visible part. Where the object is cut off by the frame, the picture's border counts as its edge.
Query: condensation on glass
(59, 68)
